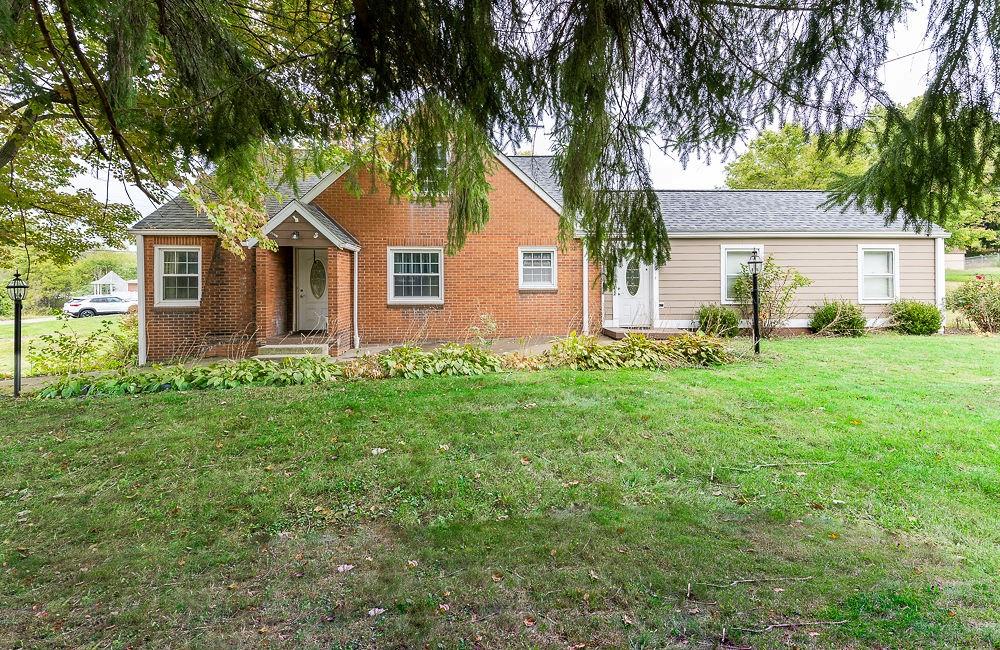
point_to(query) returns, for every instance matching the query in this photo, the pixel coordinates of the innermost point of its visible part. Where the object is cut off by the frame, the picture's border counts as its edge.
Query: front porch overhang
(314, 216)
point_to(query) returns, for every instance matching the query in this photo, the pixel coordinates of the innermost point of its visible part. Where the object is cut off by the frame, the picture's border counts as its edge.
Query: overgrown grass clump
(576, 351)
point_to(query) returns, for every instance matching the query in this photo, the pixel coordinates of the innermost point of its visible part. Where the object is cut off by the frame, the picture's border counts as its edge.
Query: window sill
(415, 303)
(180, 304)
(530, 289)
(881, 301)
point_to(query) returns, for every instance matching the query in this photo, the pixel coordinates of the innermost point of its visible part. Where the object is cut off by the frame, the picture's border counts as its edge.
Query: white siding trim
(805, 234)
(527, 180)
(939, 285)
(723, 252)
(158, 276)
(520, 268)
(861, 273)
(389, 274)
(140, 255)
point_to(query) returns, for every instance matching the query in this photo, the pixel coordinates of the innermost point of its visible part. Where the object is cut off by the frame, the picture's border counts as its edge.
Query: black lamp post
(16, 289)
(755, 264)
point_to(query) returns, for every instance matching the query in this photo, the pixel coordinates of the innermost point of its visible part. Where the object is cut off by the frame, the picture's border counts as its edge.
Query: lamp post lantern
(755, 265)
(17, 288)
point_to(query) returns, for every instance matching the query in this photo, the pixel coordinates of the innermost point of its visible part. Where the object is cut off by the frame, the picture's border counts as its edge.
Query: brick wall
(224, 323)
(273, 293)
(340, 330)
(480, 280)
(247, 300)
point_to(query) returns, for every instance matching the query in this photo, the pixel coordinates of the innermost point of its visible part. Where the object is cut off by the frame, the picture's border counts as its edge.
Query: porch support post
(586, 290)
(354, 299)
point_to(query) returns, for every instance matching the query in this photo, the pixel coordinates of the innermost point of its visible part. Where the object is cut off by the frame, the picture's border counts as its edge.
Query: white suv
(98, 305)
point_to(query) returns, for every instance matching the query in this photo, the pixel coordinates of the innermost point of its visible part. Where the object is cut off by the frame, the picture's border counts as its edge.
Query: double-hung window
(878, 274)
(177, 277)
(734, 258)
(416, 276)
(537, 267)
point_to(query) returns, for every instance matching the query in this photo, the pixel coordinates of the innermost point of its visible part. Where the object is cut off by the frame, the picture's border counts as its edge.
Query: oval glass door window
(632, 277)
(317, 279)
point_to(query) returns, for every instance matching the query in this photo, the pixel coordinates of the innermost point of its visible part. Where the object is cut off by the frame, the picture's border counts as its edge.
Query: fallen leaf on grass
(529, 621)
(375, 611)
(412, 563)
(627, 620)
(378, 451)
(834, 535)
(496, 577)
(525, 460)
(344, 568)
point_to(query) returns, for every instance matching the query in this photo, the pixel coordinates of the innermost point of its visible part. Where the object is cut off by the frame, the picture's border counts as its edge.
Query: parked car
(98, 306)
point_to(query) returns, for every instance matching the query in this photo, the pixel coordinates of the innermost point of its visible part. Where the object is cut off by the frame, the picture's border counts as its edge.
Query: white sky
(904, 79)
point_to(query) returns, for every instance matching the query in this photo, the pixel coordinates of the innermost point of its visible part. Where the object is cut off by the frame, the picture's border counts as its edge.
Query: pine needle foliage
(421, 92)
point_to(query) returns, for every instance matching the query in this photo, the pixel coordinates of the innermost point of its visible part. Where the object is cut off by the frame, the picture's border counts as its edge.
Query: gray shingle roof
(690, 211)
(179, 214)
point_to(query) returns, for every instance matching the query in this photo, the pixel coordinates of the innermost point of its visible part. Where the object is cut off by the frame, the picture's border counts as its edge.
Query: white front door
(311, 307)
(633, 296)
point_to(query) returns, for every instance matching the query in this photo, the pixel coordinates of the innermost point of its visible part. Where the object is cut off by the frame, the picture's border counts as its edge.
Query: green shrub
(979, 301)
(575, 351)
(6, 305)
(407, 361)
(227, 374)
(114, 345)
(455, 359)
(698, 349)
(838, 318)
(915, 317)
(777, 286)
(718, 320)
(581, 352)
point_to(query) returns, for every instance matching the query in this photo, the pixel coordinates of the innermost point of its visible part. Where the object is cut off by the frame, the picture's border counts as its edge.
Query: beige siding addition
(693, 276)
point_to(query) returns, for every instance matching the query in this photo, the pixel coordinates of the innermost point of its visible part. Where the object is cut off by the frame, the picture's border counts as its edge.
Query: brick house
(351, 270)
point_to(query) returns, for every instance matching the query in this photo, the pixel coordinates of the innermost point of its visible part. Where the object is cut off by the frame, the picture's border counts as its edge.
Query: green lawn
(30, 331)
(845, 491)
(964, 275)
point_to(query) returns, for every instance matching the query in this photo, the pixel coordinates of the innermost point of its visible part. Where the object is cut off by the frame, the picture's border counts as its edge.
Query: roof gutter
(808, 234)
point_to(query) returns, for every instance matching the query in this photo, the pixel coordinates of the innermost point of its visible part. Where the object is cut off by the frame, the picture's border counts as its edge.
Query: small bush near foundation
(718, 320)
(915, 317)
(979, 301)
(838, 318)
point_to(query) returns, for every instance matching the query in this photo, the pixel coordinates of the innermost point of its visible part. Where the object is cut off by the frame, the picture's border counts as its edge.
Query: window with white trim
(537, 267)
(416, 275)
(177, 276)
(734, 259)
(878, 268)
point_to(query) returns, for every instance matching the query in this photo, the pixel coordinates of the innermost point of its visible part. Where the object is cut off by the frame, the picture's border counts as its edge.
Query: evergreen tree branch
(109, 112)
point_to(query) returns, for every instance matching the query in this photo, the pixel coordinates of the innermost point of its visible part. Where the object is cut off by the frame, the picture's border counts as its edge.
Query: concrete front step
(280, 350)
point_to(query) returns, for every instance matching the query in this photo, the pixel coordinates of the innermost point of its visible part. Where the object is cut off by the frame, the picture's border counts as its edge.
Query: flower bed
(575, 351)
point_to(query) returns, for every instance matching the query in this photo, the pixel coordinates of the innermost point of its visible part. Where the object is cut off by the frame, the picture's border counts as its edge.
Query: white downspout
(140, 263)
(939, 276)
(354, 302)
(586, 290)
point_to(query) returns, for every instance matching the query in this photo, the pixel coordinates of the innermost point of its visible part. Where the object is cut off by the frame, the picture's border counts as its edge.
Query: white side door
(311, 305)
(633, 295)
